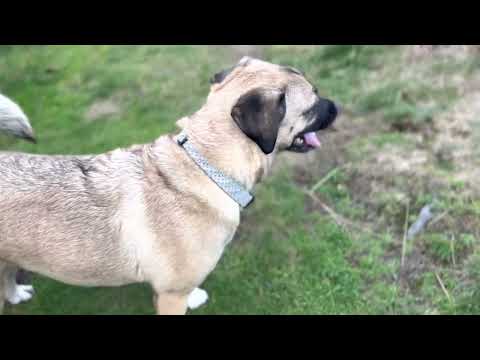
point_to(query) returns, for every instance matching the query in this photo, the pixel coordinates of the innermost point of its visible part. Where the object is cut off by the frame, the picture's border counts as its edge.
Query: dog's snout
(334, 109)
(329, 113)
(325, 112)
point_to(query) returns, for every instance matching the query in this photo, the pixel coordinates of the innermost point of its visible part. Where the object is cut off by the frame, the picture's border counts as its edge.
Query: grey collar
(230, 186)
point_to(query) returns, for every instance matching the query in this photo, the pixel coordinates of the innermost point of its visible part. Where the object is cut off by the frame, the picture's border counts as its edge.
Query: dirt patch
(426, 52)
(104, 109)
(456, 143)
(448, 142)
(415, 266)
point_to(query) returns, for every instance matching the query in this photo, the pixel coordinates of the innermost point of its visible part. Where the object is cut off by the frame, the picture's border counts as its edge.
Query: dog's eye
(315, 91)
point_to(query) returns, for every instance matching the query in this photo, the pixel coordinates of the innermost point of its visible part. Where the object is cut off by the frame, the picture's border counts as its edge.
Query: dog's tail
(13, 120)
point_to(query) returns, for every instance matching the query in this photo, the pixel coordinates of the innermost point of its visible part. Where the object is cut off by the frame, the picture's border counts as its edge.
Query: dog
(14, 122)
(160, 213)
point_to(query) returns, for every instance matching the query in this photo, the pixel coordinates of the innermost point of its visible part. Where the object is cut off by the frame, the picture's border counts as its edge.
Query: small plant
(448, 248)
(438, 246)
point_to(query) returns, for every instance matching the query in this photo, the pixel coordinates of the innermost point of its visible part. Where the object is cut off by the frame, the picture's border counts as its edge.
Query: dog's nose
(329, 114)
(338, 109)
(333, 109)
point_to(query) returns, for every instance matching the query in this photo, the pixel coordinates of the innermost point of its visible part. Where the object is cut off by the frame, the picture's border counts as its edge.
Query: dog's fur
(147, 213)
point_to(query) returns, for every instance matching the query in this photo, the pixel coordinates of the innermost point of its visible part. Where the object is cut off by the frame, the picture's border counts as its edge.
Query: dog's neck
(226, 148)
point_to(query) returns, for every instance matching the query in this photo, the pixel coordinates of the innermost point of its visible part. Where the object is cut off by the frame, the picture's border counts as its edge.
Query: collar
(230, 186)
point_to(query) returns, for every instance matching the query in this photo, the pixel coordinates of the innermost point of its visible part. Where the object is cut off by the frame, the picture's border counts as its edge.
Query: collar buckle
(182, 139)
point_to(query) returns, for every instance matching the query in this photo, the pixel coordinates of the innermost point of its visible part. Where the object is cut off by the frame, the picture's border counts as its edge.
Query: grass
(287, 257)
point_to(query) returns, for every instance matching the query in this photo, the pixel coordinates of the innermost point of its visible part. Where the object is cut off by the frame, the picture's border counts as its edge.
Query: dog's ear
(220, 76)
(244, 61)
(258, 114)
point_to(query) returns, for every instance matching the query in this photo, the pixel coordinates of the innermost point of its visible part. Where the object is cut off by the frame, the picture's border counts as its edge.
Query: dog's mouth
(308, 140)
(305, 142)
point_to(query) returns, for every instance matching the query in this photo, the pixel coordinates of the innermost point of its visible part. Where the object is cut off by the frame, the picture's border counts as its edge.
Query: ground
(332, 235)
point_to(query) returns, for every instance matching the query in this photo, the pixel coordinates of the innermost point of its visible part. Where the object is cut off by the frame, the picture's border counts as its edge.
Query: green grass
(56, 85)
(285, 258)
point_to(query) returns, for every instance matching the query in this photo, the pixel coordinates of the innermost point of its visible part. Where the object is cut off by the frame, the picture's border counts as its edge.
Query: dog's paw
(197, 298)
(20, 294)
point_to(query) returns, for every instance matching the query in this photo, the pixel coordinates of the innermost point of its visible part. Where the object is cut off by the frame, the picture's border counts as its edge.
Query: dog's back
(74, 195)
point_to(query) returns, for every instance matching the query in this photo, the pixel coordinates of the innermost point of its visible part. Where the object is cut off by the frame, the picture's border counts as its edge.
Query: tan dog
(148, 213)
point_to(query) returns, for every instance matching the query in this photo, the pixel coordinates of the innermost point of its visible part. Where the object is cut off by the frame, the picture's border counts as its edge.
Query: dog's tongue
(312, 139)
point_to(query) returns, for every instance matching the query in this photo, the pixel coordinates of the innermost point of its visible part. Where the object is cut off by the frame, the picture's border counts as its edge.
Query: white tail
(14, 121)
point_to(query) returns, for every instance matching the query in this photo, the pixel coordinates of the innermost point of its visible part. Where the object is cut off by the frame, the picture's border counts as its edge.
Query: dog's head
(275, 106)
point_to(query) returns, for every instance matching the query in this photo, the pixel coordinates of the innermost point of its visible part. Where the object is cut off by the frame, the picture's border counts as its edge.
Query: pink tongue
(312, 139)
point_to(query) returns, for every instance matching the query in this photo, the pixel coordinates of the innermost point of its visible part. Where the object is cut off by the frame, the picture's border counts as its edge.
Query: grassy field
(336, 250)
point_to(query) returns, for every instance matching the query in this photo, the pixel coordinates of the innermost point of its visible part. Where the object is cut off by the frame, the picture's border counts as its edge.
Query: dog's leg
(171, 303)
(197, 298)
(16, 293)
(24, 277)
(3, 273)
(23, 281)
